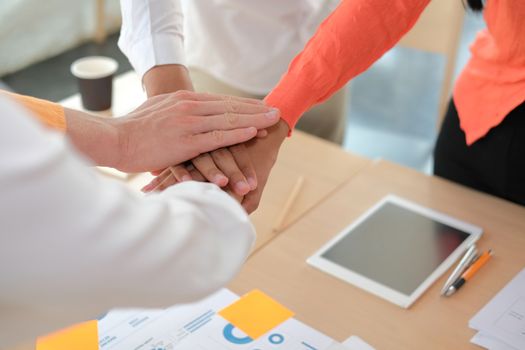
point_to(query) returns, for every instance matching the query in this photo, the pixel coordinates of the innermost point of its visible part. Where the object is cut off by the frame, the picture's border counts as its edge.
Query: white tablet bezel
(378, 289)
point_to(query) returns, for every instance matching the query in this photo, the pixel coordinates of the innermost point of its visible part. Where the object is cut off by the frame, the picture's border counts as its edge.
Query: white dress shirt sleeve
(74, 244)
(152, 33)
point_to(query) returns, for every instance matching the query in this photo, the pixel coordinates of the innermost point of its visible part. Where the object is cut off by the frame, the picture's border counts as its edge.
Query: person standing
(233, 47)
(482, 140)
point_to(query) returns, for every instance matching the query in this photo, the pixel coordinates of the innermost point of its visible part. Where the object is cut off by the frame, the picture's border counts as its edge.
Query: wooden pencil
(289, 204)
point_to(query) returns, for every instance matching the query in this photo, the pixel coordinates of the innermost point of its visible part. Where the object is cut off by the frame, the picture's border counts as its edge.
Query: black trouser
(494, 164)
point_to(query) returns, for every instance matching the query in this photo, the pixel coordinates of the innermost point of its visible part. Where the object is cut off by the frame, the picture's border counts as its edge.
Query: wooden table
(340, 309)
(338, 188)
(325, 168)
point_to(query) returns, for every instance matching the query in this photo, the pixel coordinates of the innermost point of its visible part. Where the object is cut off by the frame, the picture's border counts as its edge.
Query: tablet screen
(396, 247)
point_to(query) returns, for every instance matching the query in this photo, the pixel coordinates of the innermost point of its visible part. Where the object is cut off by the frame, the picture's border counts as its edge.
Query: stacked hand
(242, 170)
(169, 129)
(230, 141)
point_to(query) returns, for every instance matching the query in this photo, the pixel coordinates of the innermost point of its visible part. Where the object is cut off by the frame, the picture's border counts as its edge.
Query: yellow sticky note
(256, 314)
(83, 336)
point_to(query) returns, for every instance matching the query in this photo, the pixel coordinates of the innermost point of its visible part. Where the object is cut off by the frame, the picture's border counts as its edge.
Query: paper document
(356, 343)
(502, 321)
(489, 342)
(199, 326)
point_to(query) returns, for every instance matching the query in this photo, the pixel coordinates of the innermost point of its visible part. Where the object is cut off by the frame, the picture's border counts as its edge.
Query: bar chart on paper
(199, 327)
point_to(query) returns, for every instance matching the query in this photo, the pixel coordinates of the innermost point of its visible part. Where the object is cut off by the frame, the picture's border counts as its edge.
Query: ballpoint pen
(471, 271)
(463, 264)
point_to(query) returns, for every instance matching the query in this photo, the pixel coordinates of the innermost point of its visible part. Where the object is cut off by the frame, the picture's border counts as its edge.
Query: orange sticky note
(83, 336)
(256, 314)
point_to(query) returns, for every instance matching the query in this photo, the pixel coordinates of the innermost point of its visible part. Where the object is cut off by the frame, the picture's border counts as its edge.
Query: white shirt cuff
(156, 50)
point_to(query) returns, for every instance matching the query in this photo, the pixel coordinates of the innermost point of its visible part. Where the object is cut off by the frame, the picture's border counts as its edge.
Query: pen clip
(463, 264)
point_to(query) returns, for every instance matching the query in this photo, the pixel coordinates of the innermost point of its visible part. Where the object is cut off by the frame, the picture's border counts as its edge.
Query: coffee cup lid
(94, 67)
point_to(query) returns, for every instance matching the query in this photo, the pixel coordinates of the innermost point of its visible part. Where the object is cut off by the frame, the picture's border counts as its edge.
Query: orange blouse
(49, 113)
(359, 32)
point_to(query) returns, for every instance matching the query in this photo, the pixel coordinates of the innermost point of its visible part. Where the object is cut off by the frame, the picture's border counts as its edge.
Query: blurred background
(394, 109)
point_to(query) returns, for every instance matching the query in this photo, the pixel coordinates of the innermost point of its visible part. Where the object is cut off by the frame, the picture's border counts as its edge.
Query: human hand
(172, 128)
(262, 153)
(230, 168)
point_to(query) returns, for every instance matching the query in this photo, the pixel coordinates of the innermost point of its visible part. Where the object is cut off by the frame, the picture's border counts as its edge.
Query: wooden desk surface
(323, 165)
(340, 309)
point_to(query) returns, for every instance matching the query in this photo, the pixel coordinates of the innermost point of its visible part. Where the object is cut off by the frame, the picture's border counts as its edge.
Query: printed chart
(199, 327)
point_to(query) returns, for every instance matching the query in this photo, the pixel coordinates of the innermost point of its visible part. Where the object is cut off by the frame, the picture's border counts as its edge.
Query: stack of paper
(501, 323)
(221, 321)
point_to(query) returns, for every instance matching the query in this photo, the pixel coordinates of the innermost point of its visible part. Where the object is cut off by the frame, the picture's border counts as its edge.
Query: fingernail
(146, 188)
(251, 130)
(186, 178)
(272, 114)
(220, 180)
(262, 133)
(253, 183)
(242, 187)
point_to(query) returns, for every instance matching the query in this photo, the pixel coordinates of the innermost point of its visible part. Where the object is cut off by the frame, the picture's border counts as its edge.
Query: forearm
(167, 78)
(353, 37)
(97, 138)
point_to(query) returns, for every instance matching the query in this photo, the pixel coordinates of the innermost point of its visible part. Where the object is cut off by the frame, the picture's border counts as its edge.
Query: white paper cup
(95, 81)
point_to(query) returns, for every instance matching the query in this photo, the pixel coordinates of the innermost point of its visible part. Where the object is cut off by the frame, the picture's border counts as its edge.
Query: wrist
(166, 79)
(278, 132)
(95, 137)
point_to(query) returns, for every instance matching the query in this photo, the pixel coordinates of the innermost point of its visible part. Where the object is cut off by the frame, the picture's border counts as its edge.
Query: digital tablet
(396, 250)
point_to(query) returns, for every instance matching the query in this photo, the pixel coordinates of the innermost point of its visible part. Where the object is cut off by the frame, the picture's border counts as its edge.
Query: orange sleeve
(49, 113)
(353, 37)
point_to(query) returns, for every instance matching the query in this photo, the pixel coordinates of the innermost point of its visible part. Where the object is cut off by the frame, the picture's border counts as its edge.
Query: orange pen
(470, 272)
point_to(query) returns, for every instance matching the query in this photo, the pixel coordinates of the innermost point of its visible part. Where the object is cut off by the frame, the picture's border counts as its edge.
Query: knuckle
(220, 153)
(247, 170)
(231, 118)
(238, 175)
(238, 149)
(182, 94)
(235, 106)
(200, 159)
(227, 100)
(217, 136)
(186, 106)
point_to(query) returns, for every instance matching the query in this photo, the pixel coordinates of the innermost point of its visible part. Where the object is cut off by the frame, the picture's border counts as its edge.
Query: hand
(230, 168)
(262, 153)
(172, 128)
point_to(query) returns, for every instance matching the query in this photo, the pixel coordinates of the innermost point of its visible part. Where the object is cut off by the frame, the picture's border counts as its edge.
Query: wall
(33, 30)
